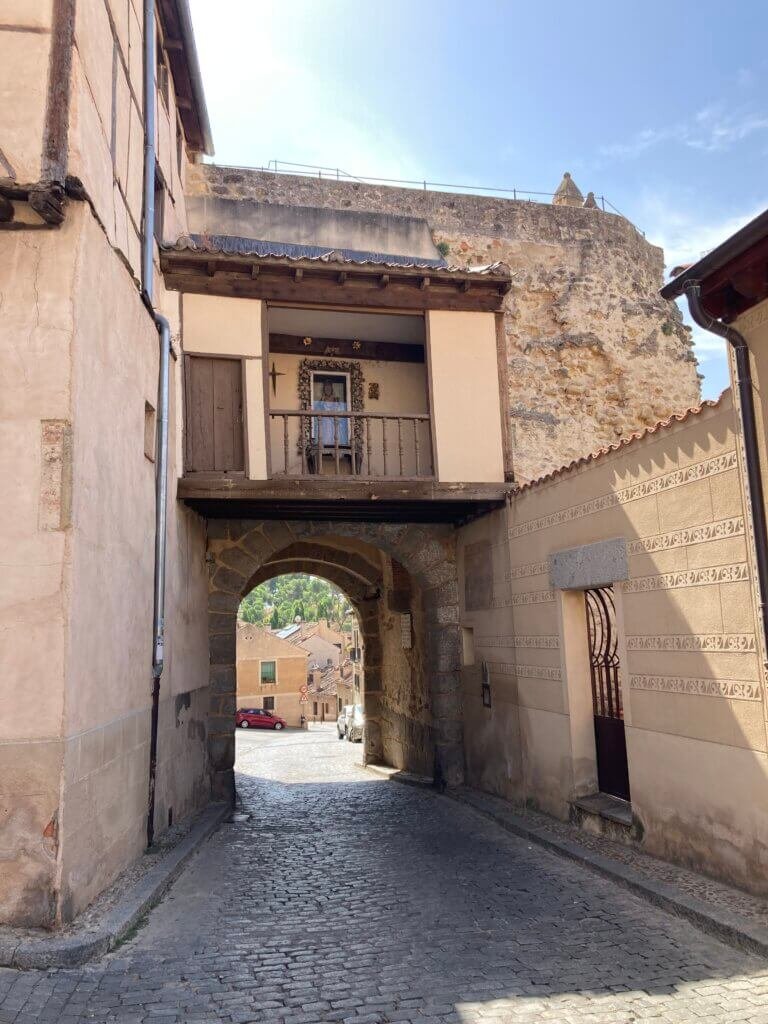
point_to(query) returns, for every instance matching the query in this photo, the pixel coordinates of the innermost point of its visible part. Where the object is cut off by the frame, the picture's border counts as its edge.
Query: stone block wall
(666, 518)
(593, 351)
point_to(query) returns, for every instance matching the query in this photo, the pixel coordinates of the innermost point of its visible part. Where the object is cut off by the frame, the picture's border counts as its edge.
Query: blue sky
(660, 107)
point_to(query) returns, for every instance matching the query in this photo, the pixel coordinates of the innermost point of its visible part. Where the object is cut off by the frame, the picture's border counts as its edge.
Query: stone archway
(242, 553)
(362, 583)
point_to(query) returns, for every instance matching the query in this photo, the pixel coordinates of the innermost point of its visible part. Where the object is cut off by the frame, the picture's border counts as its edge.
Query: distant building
(270, 673)
(328, 670)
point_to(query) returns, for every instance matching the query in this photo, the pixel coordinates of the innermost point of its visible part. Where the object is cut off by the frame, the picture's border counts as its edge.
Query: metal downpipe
(749, 432)
(163, 399)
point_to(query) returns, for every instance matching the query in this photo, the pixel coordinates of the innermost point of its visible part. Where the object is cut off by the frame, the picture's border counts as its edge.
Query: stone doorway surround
(243, 553)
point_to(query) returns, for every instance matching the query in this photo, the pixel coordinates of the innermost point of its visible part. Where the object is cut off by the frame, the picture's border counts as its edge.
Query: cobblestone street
(344, 897)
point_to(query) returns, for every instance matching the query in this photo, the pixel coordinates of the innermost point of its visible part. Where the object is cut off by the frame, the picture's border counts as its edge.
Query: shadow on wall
(662, 521)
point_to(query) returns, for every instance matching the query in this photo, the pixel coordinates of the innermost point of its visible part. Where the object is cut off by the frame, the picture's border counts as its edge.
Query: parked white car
(341, 722)
(356, 724)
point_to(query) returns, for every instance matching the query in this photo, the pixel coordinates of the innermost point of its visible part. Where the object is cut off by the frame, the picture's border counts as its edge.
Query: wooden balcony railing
(370, 445)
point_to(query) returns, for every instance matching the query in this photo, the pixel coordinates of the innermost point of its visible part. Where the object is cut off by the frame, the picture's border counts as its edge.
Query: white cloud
(684, 236)
(713, 129)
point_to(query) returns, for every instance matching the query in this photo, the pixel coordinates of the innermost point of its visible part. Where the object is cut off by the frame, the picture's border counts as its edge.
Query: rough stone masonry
(594, 353)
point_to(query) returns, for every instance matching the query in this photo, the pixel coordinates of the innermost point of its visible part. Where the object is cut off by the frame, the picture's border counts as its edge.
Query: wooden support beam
(211, 268)
(255, 271)
(425, 283)
(465, 285)
(384, 281)
(383, 351)
(298, 274)
(342, 277)
(316, 292)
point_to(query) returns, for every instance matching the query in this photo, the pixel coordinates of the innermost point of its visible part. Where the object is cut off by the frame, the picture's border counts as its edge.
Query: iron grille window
(603, 653)
(269, 703)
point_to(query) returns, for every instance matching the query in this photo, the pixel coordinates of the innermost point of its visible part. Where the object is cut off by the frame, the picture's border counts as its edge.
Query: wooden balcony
(369, 446)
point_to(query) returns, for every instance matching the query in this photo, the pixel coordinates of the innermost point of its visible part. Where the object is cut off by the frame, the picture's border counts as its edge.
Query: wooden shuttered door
(214, 420)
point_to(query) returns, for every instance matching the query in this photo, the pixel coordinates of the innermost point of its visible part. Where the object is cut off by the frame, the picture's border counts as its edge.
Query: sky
(662, 108)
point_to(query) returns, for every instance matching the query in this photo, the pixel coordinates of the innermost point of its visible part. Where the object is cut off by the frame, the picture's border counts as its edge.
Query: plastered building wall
(692, 662)
(77, 593)
(106, 134)
(25, 43)
(593, 352)
(464, 387)
(36, 333)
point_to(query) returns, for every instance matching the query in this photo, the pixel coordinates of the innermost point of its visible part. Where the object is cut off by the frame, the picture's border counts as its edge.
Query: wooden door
(214, 415)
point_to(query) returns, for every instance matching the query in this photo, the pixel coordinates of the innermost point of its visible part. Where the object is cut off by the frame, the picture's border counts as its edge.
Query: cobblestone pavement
(348, 898)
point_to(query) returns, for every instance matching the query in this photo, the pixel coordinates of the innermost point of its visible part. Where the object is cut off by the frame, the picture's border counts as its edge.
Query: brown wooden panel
(214, 421)
(206, 279)
(384, 351)
(199, 415)
(227, 415)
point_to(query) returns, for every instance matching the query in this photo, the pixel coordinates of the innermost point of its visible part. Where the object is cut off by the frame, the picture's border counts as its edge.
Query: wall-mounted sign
(486, 685)
(406, 631)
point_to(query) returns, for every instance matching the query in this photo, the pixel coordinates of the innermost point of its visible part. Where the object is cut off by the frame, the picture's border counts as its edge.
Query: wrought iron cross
(274, 374)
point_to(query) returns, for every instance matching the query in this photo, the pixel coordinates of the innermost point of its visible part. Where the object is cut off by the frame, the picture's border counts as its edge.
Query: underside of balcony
(340, 498)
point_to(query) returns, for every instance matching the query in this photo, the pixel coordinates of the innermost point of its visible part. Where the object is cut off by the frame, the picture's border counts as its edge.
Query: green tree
(281, 599)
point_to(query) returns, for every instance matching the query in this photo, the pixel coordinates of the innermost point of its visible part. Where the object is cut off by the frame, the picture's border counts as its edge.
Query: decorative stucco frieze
(689, 578)
(543, 642)
(655, 485)
(733, 689)
(719, 530)
(532, 569)
(531, 597)
(505, 668)
(728, 643)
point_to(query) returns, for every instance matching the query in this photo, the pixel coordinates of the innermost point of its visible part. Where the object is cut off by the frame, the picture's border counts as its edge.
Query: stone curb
(722, 924)
(73, 950)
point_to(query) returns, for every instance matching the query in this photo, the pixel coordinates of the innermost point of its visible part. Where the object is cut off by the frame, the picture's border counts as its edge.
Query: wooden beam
(384, 281)
(465, 285)
(332, 498)
(211, 268)
(298, 274)
(424, 283)
(255, 271)
(342, 277)
(383, 351)
(502, 365)
(402, 297)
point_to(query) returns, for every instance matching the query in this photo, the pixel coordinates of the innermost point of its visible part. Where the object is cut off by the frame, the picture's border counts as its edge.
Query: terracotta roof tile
(678, 417)
(235, 245)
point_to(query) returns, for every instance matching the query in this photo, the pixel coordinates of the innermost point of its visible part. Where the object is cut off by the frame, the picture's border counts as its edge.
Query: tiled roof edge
(624, 442)
(236, 245)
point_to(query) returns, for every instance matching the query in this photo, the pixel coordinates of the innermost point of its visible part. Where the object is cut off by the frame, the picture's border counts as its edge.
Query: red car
(257, 718)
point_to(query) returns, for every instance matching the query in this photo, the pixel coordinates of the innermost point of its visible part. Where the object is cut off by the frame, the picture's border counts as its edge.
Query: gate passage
(610, 738)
